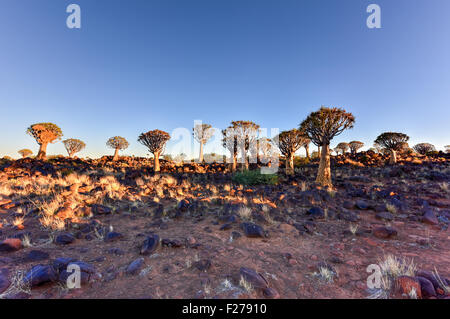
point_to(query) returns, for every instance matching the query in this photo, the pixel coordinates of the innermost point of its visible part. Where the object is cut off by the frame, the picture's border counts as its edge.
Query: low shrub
(254, 178)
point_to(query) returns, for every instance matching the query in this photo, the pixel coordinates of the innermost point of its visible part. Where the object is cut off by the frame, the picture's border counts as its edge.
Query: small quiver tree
(44, 134)
(155, 141)
(355, 146)
(117, 143)
(73, 146)
(25, 152)
(392, 142)
(202, 133)
(289, 143)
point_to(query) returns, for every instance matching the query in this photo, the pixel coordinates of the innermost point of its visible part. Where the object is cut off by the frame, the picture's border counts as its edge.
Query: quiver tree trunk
(156, 162)
(307, 152)
(234, 163)
(42, 154)
(324, 173)
(201, 153)
(318, 151)
(71, 155)
(116, 155)
(393, 157)
(290, 164)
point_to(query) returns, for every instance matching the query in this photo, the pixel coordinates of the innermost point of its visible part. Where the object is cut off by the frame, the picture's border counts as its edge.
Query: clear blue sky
(139, 65)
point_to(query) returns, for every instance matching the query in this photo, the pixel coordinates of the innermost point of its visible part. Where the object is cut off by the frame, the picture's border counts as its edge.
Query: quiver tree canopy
(73, 146)
(44, 134)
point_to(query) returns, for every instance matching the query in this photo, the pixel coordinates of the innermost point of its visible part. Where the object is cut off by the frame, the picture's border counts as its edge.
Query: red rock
(10, 245)
(384, 232)
(406, 284)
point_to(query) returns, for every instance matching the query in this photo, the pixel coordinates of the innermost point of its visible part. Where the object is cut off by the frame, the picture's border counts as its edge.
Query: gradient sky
(139, 65)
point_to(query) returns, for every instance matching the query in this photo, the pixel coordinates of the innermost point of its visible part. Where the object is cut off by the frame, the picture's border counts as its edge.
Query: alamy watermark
(74, 19)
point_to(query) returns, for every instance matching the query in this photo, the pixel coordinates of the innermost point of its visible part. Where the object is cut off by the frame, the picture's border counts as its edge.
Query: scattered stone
(316, 213)
(384, 216)
(430, 218)
(348, 216)
(360, 204)
(226, 227)
(112, 237)
(271, 293)
(101, 209)
(426, 287)
(384, 232)
(255, 279)
(203, 265)
(10, 245)
(135, 266)
(39, 275)
(64, 239)
(252, 230)
(150, 245)
(4, 281)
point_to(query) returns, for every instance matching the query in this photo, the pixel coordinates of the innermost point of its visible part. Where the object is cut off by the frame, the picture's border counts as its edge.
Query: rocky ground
(190, 232)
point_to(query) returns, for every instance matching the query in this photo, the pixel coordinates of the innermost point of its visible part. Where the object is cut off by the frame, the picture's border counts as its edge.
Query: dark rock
(101, 209)
(316, 213)
(135, 266)
(112, 237)
(252, 230)
(60, 264)
(360, 204)
(236, 235)
(150, 245)
(64, 239)
(255, 279)
(203, 265)
(430, 218)
(348, 216)
(4, 281)
(10, 245)
(271, 293)
(385, 216)
(384, 232)
(431, 277)
(39, 275)
(426, 287)
(225, 227)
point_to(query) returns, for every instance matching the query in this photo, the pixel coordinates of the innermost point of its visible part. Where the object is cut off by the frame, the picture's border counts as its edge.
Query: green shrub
(255, 178)
(300, 161)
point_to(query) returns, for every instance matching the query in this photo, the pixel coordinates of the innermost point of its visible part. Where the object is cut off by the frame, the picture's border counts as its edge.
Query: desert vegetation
(169, 226)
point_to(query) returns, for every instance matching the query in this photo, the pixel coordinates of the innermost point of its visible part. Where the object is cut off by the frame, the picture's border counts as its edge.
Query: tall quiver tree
(25, 152)
(73, 146)
(117, 143)
(321, 127)
(155, 141)
(230, 142)
(44, 134)
(247, 134)
(355, 146)
(202, 133)
(290, 142)
(393, 142)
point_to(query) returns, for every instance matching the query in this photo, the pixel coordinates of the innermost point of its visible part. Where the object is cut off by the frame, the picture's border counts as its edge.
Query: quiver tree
(342, 147)
(202, 133)
(246, 133)
(306, 146)
(230, 142)
(25, 152)
(392, 142)
(117, 143)
(73, 146)
(424, 148)
(44, 134)
(266, 147)
(355, 146)
(321, 127)
(447, 148)
(290, 142)
(155, 141)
